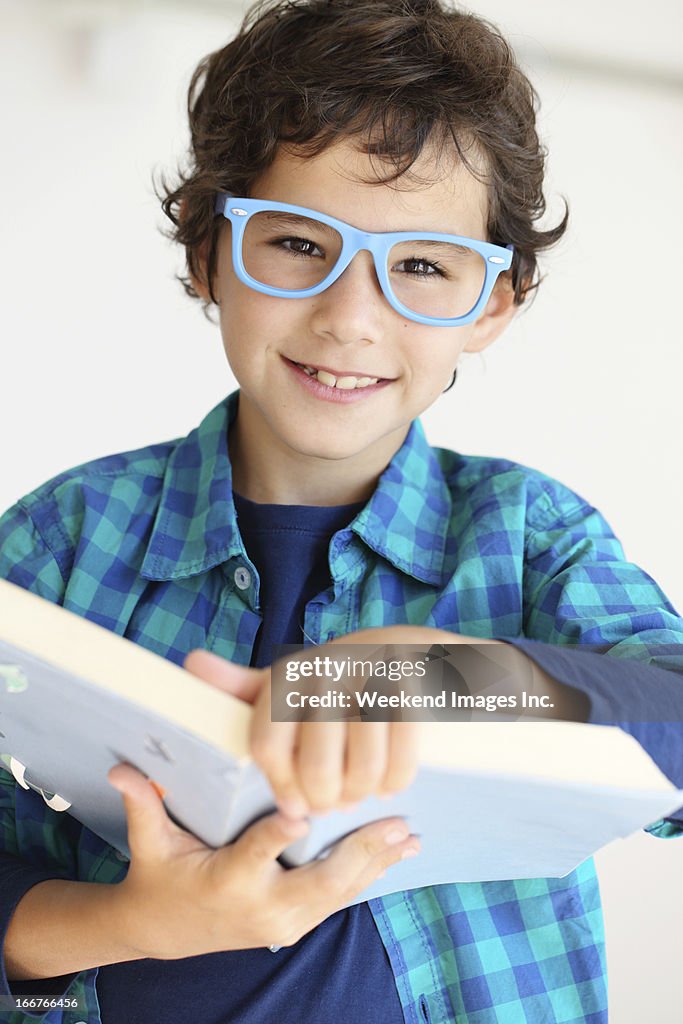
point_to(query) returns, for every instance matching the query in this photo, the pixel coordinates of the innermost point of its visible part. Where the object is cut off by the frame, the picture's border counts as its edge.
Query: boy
(379, 158)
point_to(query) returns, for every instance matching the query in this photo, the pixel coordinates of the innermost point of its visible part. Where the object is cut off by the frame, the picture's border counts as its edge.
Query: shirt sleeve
(618, 690)
(50, 838)
(26, 559)
(598, 623)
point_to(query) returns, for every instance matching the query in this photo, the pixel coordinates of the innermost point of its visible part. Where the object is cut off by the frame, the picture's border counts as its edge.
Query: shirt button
(242, 578)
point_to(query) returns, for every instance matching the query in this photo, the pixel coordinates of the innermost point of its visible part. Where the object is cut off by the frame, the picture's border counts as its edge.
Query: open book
(493, 800)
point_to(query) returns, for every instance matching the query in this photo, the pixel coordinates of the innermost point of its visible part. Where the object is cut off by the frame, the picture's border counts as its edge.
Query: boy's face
(350, 328)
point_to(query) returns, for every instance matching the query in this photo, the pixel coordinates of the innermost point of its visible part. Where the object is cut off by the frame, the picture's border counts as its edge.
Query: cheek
(434, 351)
(252, 323)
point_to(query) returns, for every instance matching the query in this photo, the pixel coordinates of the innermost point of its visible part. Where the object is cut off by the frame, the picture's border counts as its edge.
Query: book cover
(492, 800)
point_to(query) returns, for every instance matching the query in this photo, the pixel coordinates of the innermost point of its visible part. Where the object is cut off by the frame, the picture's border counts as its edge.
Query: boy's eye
(418, 267)
(299, 246)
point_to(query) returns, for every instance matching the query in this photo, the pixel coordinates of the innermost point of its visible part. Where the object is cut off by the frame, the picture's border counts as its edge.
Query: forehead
(438, 193)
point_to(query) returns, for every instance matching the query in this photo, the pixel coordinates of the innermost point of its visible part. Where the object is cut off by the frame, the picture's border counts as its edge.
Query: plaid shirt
(146, 544)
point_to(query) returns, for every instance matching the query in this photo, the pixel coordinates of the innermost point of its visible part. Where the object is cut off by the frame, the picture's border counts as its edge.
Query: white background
(102, 351)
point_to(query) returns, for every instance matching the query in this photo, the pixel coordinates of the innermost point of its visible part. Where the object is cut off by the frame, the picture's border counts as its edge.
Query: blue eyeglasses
(293, 252)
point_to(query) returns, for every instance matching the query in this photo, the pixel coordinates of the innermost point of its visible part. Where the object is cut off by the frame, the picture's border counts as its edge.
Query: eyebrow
(298, 222)
(295, 220)
(435, 247)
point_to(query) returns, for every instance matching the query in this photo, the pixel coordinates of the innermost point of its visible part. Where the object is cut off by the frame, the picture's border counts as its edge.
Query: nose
(352, 308)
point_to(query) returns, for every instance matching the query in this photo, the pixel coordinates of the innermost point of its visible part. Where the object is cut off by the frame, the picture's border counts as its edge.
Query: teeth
(343, 383)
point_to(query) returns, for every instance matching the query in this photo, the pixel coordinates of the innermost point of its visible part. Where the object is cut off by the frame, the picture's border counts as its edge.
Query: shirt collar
(195, 529)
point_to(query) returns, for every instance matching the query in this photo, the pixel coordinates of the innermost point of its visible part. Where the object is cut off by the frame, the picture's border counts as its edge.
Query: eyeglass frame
(239, 210)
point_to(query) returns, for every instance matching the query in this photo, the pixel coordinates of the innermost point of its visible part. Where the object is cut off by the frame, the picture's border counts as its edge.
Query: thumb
(148, 823)
(238, 680)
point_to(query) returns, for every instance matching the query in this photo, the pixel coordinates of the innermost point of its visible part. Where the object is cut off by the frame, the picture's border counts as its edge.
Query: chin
(332, 452)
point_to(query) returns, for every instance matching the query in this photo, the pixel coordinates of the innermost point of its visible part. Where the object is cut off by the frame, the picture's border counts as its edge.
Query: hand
(182, 898)
(318, 766)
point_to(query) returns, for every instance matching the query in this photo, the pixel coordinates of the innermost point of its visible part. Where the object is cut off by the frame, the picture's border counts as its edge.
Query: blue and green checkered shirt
(146, 544)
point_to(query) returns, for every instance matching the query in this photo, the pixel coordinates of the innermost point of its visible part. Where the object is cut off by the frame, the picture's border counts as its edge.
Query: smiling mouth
(344, 382)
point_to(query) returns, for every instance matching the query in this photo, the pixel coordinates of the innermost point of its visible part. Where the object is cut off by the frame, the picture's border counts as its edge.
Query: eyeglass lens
(293, 253)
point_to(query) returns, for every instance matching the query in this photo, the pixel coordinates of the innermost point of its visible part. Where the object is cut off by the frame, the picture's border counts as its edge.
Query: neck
(271, 472)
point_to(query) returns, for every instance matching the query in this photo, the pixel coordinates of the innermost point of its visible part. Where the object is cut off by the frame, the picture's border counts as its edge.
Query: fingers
(272, 747)
(265, 840)
(302, 764)
(149, 828)
(237, 680)
(394, 851)
(402, 757)
(366, 759)
(382, 758)
(354, 864)
(319, 764)
(373, 848)
(314, 767)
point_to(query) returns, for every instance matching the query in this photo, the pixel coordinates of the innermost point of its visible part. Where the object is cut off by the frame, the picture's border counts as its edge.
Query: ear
(199, 280)
(499, 311)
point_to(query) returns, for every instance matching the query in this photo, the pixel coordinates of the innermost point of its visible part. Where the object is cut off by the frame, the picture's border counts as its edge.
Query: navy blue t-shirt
(338, 972)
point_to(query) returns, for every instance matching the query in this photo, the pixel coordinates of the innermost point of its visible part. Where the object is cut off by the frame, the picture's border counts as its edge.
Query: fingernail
(409, 853)
(396, 835)
(158, 789)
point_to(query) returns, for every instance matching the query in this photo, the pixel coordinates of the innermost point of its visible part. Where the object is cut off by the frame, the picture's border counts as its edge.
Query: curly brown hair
(395, 74)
